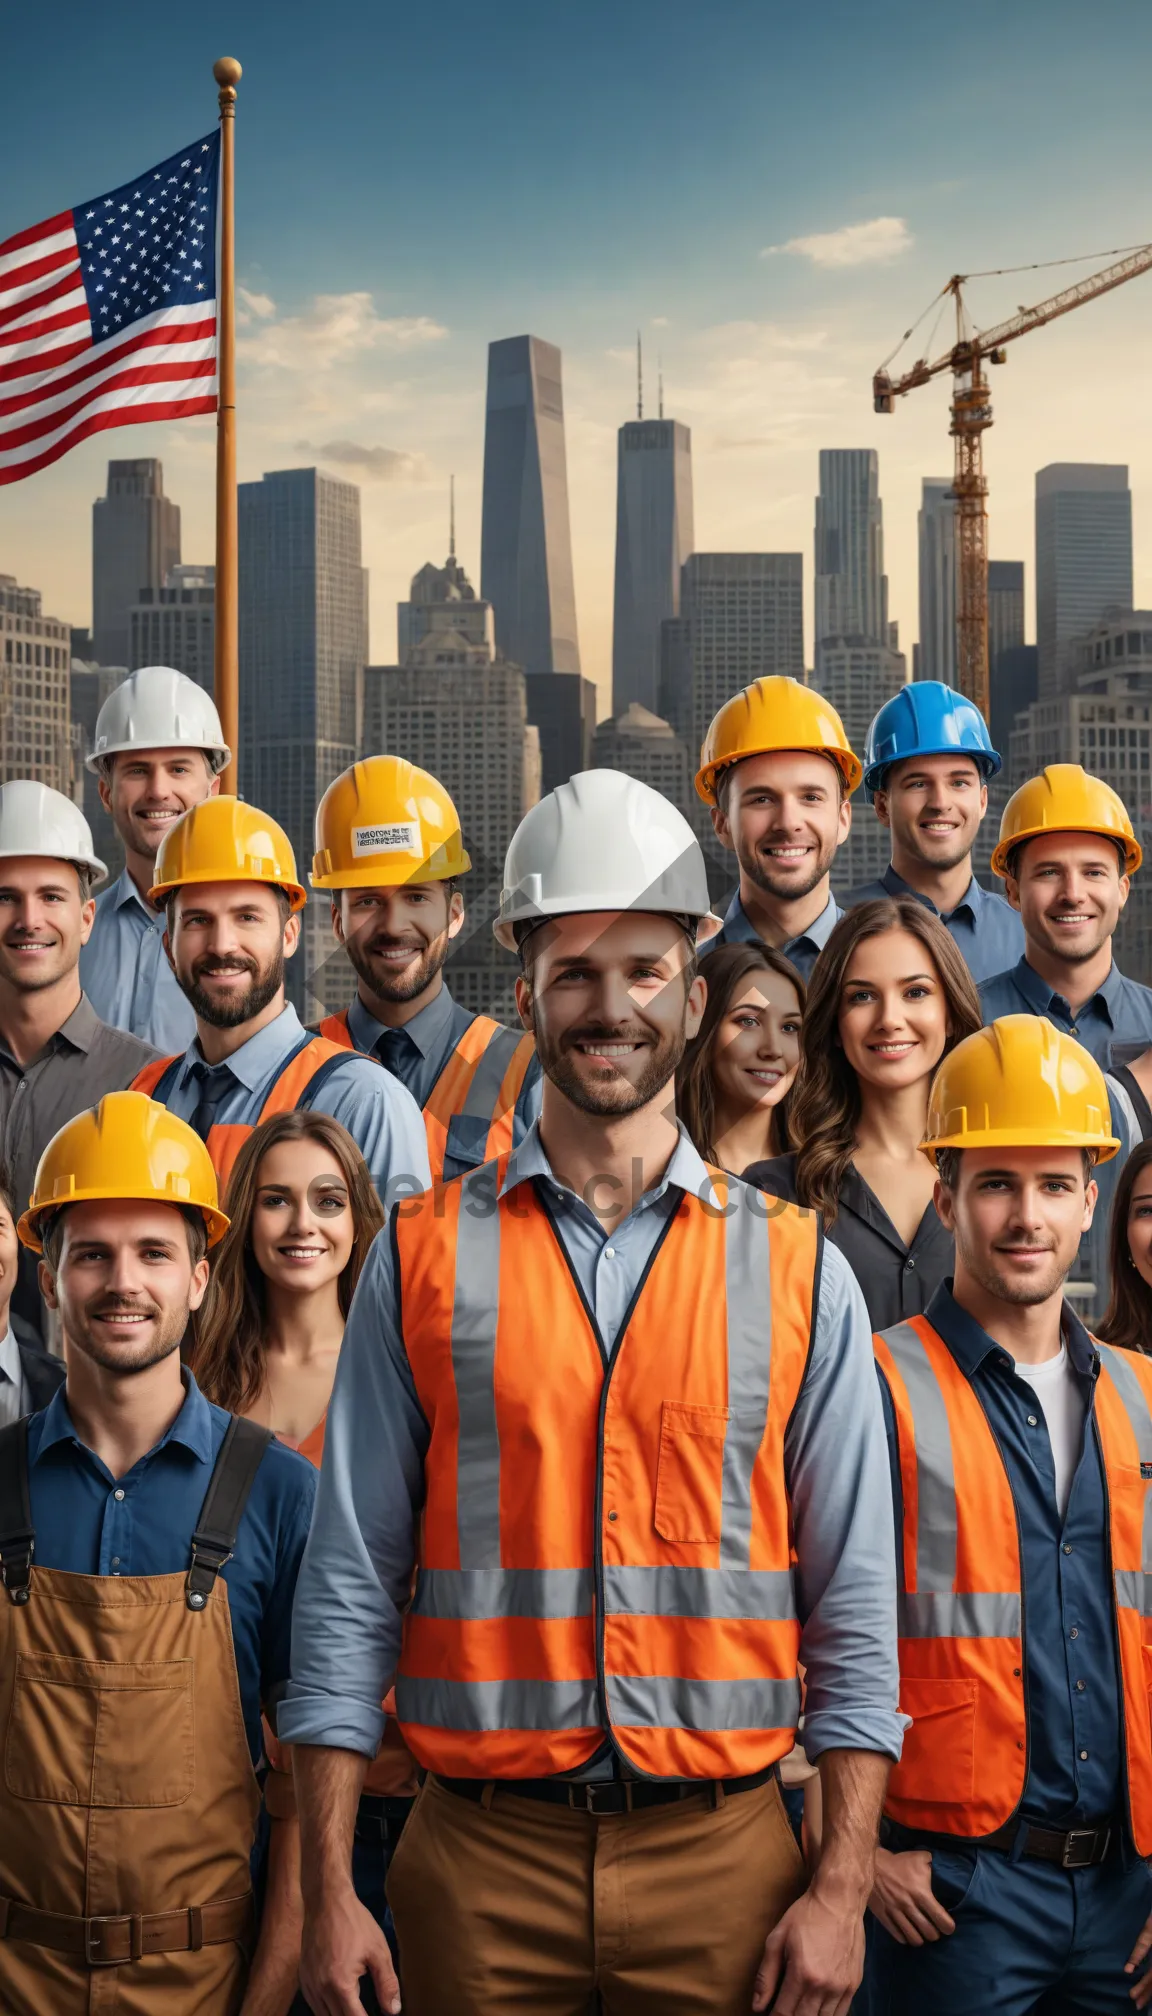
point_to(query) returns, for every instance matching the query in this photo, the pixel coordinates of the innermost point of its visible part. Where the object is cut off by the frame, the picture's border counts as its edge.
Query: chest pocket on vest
(86, 1732)
(690, 1473)
(466, 1143)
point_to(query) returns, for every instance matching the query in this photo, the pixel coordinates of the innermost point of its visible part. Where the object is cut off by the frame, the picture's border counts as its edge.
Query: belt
(112, 1941)
(603, 1796)
(1074, 1848)
(381, 1821)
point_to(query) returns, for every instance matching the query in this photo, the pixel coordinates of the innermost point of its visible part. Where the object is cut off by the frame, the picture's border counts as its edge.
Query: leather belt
(1079, 1848)
(113, 1941)
(380, 1821)
(1073, 1848)
(604, 1796)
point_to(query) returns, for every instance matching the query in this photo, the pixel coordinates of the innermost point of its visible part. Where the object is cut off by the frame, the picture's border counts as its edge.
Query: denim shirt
(803, 950)
(985, 929)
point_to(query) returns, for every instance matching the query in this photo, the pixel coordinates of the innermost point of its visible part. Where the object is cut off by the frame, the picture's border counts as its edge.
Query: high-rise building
(851, 585)
(88, 688)
(859, 679)
(936, 657)
(641, 744)
(526, 541)
(35, 717)
(135, 542)
(1083, 560)
(303, 647)
(176, 625)
(442, 598)
(1005, 609)
(562, 708)
(654, 536)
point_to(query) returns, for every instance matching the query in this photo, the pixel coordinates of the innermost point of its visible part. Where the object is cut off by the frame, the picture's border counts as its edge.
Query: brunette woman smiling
(888, 997)
(734, 1085)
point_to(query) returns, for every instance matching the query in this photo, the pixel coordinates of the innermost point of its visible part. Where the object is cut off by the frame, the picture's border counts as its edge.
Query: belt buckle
(94, 1929)
(1072, 1858)
(590, 1791)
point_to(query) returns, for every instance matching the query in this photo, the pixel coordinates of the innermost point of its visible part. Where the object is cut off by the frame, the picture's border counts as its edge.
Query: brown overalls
(128, 1801)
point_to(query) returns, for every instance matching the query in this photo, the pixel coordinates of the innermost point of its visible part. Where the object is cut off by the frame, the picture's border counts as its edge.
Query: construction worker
(927, 762)
(1066, 851)
(1019, 1817)
(388, 848)
(603, 1401)
(226, 876)
(777, 771)
(56, 1056)
(149, 1548)
(158, 750)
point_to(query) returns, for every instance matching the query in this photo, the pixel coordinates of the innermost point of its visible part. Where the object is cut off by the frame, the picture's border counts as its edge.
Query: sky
(770, 195)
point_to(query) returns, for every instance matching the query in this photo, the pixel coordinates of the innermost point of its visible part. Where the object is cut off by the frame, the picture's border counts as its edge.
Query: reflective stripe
(659, 1702)
(477, 1705)
(748, 1283)
(1134, 1590)
(935, 1477)
(766, 1595)
(1136, 1408)
(475, 1310)
(482, 1099)
(469, 1594)
(943, 1613)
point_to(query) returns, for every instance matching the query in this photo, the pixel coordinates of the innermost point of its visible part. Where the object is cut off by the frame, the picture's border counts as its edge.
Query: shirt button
(609, 1252)
(1080, 1686)
(613, 1515)
(115, 1560)
(1083, 1756)
(1032, 1420)
(1073, 1633)
(908, 1266)
(1067, 1548)
(118, 1493)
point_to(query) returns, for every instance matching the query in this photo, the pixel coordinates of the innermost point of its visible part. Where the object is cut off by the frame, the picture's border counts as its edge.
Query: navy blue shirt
(1119, 1012)
(985, 929)
(85, 1527)
(803, 950)
(1075, 1774)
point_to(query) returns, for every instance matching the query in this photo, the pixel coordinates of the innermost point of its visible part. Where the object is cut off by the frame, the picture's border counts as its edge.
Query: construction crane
(971, 416)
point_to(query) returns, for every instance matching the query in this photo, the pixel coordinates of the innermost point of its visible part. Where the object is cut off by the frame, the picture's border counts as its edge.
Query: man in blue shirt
(158, 750)
(927, 762)
(1066, 851)
(1019, 1821)
(150, 1550)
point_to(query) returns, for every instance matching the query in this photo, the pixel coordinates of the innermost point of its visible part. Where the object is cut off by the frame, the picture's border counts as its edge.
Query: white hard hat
(157, 708)
(602, 841)
(35, 820)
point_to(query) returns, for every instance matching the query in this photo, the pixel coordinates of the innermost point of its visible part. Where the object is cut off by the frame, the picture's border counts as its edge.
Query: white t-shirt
(1058, 1390)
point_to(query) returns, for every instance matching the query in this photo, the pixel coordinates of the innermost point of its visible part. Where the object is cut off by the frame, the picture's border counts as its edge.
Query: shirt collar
(739, 929)
(256, 1060)
(82, 1027)
(426, 1029)
(686, 1169)
(10, 1366)
(970, 1345)
(974, 896)
(192, 1427)
(1039, 995)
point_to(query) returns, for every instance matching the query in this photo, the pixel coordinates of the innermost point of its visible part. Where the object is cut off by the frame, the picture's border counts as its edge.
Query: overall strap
(233, 1475)
(17, 1538)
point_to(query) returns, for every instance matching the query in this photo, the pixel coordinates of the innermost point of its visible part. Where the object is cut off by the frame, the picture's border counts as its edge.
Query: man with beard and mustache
(388, 848)
(777, 772)
(226, 876)
(927, 761)
(158, 750)
(150, 1547)
(618, 1416)
(1066, 852)
(1019, 1821)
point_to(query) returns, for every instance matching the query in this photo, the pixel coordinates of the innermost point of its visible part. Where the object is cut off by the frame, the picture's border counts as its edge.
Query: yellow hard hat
(1065, 799)
(1020, 1083)
(224, 840)
(770, 715)
(129, 1148)
(384, 823)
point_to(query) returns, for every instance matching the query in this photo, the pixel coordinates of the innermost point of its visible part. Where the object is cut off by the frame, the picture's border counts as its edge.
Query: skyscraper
(176, 625)
(135, 540)
(642, 745)
(303, 647)
(741, 616)
(1005, 609)
(937, 540)
(654, 536)
(1083, 560)
(526, 542)
(35, 718)
(851, 585)
(562, 708)
(858, 679)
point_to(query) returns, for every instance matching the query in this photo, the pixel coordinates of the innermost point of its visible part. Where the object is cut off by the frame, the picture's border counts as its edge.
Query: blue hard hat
(926, 718)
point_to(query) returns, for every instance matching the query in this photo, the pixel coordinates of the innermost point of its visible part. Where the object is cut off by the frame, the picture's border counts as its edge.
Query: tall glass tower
(526, 540)
(654, 537)
(851, 585)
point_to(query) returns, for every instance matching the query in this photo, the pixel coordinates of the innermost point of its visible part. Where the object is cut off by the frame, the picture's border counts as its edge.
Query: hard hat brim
(504, 928)
(1133, 852)
(989, 765)
(845, 760)
(1024, 1137)
(296, 895)
(373, 875)
(94, 869)
(28, 1225)
(219, 752)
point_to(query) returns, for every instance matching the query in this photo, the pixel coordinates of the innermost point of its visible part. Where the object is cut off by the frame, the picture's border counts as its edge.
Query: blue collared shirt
(357, 1573)
(1119, 1012)
(986, 929)
(417, 1053)
(88, 1522)
(803, 950)
(125, 973)
(382, 1118)
(1074, 1724)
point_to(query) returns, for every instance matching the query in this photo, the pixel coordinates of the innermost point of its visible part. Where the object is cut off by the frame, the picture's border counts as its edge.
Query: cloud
(253, 307)
(379, 465)
(872, 244)
(332, 329)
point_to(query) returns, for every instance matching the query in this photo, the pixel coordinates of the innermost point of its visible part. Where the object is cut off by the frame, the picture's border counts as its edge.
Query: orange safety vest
(478, 1086)
(961, 1604)
(283, 1094)
(606, 1538)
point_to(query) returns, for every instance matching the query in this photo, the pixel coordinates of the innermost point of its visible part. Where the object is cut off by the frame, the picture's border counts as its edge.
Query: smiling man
(927, 762)
(777, 771)
(1019, 1819)
(158, 750)
(1066, 851)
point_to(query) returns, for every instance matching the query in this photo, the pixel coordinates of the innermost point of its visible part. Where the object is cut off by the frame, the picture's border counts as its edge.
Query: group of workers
(647, 1488)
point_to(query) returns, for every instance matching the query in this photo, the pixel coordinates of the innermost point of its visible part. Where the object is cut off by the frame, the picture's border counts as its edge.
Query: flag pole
(227, 73)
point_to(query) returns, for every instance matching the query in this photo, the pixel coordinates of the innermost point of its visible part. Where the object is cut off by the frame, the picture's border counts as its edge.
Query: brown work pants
(532, 1908)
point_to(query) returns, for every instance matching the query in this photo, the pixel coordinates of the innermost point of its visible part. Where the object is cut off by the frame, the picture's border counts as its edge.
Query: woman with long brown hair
(734, 1085)
(1128, 1319)
(889, 996)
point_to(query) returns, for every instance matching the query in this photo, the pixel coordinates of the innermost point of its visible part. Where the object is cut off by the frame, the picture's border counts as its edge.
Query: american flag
(108, 313)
